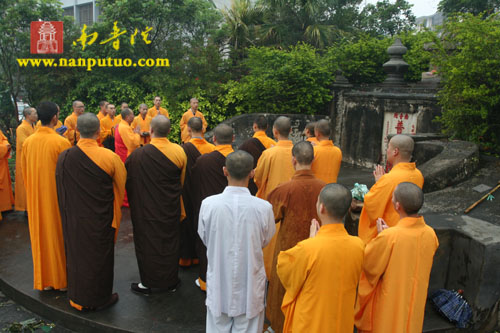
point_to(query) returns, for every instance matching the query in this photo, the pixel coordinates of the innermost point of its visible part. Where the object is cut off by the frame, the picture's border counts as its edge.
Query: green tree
(387, 19)
(470, 69)
(468, 6)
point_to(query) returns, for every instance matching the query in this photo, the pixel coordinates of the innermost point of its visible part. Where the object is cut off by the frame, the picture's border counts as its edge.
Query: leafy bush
(469, 64)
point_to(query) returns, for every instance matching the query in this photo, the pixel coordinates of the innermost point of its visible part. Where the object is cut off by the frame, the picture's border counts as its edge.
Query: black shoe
(174, 288)
(135, 288)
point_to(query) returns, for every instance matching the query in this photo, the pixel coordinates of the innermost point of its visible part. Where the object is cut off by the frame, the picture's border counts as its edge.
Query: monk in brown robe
(102, 110)
(90, 186)
(256, 145)
(273, 168)
(154, 185)
(327, 157)
(194, 148)
(309, 133)
(23, 131)
(6, 197)
(40, 153)
(70, 122)
(294, 205)
(208, 174)
(377, 203)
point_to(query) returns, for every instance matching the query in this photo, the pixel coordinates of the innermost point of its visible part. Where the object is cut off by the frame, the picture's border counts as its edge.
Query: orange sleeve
(4, 146)
(119, 179)
(130, 139)
(261, 174)
(205, 124)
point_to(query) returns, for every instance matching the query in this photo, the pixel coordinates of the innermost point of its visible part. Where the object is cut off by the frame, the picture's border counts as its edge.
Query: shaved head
(323, 127)
(27, 111)
(126, 113)
(102, 104)
(239, 164)
(46, 111)
(310, 127)
(303, 152)
(283, 125)
(88, 124)
(405, 145)
(160, 126)
(195, 124)
(337, 199)
(261, 122)
(409, 196)
(223, 134)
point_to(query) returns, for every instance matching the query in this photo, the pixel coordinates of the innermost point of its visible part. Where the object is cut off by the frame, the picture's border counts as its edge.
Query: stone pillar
(396, 67)
(337, 106)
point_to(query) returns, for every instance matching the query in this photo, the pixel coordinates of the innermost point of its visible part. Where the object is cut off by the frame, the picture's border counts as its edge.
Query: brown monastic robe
(294, 205)
(86, 197)
(154, 190)
(255, 148)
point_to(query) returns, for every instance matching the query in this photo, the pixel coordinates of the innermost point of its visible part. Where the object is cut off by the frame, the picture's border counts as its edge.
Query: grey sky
(420, 7)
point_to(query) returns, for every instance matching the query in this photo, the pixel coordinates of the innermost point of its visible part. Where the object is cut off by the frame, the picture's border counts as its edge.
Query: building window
(85, 14)
(69, 11)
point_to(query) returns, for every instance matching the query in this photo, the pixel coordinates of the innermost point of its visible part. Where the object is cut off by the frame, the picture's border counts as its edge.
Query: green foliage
(469, 64)
(468, 6)
(386, 18)
(417, 56)
(294, 81)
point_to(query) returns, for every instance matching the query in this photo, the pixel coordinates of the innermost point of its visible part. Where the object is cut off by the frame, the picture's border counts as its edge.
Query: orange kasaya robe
(39, 124)
(203, 146)
(153, 112)
(100, 115)
(327, 160)
(107, 127)
(273, 168)
(72, 133)
(378, 201)
(184, 120)
(313, 140)
(264, 139)
(145, 126)
(110, 163)
(22, 132)
(393, 287)
(6, 197)
(40, 154)
(320, 276)
(126, 141)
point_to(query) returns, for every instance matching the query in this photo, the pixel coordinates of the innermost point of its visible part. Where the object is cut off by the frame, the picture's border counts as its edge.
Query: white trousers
(239, 324)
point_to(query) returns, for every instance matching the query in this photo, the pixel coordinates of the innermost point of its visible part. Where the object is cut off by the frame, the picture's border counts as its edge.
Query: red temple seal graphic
(46, 37)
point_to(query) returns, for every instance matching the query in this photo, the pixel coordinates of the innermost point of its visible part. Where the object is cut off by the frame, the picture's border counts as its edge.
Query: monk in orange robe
(90, 187)
(294, 204)
(209, 178)
(273, 168)
(192, 112)
(194, 148)
(102, 110)
(154, 184)
(256, 146)
(39, 159)
(393, 287)
(143, 121)
(70, 122)
(327, 157)
(320, 274)
(23, 131)
(377, 203)
(58, 125)
(108, 125)
(157, 109)
(6, 197)
(310, 134)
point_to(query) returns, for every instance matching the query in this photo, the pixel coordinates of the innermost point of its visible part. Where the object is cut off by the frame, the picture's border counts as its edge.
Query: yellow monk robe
(131, 141)
(393, 288)
(378, 201)
(264, 139)
(320, 276)
(327, 160)
(176, 155)
(184, 120)
(203, 146)
(273, 168)
(313, 140)
(100, 115)
(144, 125)
(110, 163)
(107, 127)
(6, 197)
(152, 112)
(39, 124)
(22, 132)
(40, 153)
(72, 133)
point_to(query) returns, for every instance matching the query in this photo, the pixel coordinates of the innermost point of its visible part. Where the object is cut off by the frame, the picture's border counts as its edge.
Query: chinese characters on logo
(89, 39)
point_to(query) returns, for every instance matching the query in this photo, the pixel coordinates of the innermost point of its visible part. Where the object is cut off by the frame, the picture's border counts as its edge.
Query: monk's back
(274, 167)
